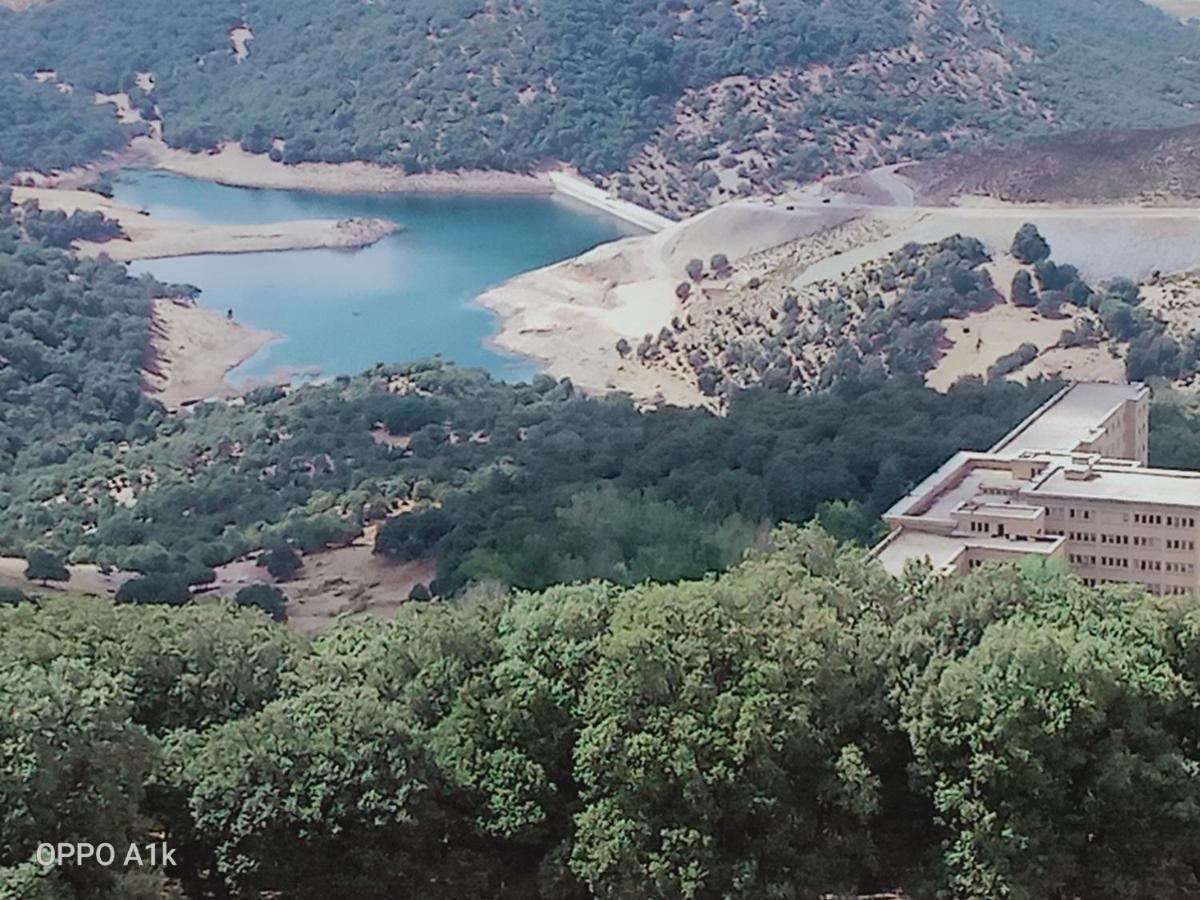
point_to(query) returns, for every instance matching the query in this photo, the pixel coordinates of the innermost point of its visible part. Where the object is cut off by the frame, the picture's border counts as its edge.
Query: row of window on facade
(1171, 521)
(1138, 518)
(1091, 537)
(1143, 565)
(1177, 590)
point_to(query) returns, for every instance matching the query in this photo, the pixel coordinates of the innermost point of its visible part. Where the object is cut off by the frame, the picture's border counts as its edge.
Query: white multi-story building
(1071, 482)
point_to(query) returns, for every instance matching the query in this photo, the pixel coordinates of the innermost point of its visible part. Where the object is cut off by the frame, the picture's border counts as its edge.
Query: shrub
(169, 590)
(44, 566)
(282, 562)
(1010, 362)
(1029, 246)
(1023, 292)
(264, 597)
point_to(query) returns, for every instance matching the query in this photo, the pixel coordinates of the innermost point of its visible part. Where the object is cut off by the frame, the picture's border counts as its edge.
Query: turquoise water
(409, 296)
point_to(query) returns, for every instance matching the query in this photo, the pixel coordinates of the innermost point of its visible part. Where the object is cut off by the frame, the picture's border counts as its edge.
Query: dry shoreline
(231, 165)
(554, 334)
(570, 316)
(194, 350)
(235, 167)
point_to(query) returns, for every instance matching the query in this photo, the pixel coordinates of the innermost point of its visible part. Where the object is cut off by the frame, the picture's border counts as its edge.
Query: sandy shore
(153, 238)
(570, 316)
(231, 165)
(194, 349)
(163, 239)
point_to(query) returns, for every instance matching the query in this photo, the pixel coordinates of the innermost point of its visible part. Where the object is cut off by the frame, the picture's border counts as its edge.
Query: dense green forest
(505, 84)
(46, 129)
(523, 484)
(73, 340)
(803, 726)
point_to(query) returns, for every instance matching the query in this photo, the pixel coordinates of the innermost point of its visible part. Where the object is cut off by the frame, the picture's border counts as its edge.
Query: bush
(1124, 290)
(1010, 362)
(1050, 304)
(43, 566)
(282, 562)
(264, 597)
(1029, 246)
(169, 590)
(11, 596)
(197, 573)
(1023, 293)
(404, 415)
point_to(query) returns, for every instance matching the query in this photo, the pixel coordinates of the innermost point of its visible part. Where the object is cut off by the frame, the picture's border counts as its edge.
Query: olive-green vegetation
(73, 341)
(1107, 63)
(1175, 426)
(55, 228)
(525, 484)
(508, 84)
(45, 128)
(1153, 352)
(884, 319)
(803, 725)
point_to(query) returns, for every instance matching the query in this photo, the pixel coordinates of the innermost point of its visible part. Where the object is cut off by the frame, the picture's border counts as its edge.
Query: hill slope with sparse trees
(674, 103)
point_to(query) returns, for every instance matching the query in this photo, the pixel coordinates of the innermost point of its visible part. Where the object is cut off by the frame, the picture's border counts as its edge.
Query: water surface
(409, 296)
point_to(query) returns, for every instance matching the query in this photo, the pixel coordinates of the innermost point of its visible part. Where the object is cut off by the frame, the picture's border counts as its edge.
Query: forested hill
(678, 96)
(803, 727)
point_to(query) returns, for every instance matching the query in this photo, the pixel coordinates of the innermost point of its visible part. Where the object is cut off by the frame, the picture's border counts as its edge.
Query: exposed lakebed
(410, 295)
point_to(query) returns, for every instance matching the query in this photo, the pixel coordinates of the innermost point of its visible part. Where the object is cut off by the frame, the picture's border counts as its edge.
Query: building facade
(1071, 482)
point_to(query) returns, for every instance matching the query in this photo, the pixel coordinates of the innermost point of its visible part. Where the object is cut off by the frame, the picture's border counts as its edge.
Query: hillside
(675, 104)
(1155, 166)
(518, 484)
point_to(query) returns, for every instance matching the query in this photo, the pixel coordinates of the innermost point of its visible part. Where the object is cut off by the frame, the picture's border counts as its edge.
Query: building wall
(1125, 434)
(1128, 541)
(1147, 544)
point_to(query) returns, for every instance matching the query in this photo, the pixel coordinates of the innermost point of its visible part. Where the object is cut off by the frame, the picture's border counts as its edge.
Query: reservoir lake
(409, 296)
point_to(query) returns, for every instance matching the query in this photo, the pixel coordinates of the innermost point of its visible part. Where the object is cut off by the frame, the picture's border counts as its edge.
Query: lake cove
(408, 296)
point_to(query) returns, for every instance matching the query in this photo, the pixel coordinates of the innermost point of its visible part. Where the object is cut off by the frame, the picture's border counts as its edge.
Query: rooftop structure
(1071, 482)
(1087, 417)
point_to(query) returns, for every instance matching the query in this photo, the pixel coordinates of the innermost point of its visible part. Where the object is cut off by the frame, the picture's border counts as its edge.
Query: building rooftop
(943, 550)
(965, 477)
(1071, 417)
(1122, 484)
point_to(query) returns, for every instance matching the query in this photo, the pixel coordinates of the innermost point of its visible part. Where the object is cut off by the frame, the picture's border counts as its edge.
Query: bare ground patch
(344, 581)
